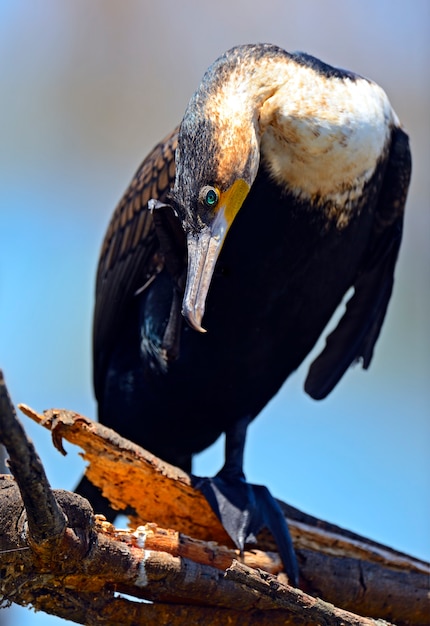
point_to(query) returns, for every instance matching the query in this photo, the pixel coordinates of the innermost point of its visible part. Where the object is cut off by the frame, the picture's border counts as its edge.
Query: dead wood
(46, 523)
(190, 577)
(133, 569)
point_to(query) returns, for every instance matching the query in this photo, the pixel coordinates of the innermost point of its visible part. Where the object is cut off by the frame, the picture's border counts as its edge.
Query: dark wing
(356, 334)
(130, 251)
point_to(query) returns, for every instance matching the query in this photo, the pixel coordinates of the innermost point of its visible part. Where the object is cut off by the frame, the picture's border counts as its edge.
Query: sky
(87, 90)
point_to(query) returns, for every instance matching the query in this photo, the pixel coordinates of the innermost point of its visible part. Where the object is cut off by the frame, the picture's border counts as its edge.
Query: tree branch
(153, 575)
(46, 522)
(190, 579)
(301, 605)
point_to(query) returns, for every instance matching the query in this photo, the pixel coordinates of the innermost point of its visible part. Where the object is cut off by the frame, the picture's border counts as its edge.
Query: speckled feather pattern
(130, 253)
(130, 225)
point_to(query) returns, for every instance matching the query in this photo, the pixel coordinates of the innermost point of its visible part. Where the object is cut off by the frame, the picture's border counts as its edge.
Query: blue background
(87, 88)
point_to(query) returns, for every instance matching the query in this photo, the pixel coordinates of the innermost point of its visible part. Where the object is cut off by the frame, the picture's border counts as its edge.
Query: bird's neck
(319, 136)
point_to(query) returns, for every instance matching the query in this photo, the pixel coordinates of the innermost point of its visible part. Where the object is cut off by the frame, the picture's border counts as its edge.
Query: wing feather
(357, 331)
(130, 250)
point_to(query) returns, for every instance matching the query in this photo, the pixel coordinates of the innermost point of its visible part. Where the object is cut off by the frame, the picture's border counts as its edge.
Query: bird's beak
(204, 248)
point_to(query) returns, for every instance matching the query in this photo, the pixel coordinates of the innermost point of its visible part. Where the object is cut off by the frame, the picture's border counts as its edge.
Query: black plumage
(301, 233)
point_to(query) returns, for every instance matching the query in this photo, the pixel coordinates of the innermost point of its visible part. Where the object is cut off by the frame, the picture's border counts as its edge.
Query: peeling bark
(75, 562)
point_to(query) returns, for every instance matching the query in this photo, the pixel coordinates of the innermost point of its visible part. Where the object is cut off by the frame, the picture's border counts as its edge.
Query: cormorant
(283, 187)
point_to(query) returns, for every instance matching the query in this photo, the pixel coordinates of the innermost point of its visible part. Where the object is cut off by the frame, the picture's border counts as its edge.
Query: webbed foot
(244, 509)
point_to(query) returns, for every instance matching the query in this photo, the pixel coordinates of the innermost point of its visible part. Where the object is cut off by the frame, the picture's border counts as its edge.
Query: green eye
(210, 196)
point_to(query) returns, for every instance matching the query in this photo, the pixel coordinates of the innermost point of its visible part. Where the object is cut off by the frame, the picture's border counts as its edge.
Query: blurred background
(87, 88)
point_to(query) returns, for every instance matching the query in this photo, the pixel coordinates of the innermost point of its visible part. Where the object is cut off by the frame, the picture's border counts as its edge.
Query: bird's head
(216, 164)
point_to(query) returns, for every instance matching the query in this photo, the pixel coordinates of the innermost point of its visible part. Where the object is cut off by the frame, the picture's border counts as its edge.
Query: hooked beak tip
(193, 320)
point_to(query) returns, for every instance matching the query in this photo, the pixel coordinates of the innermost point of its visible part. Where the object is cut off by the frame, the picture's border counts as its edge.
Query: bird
(281, 191)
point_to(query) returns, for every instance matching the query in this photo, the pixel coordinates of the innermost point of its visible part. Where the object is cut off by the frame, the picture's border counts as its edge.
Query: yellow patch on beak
(231, 200)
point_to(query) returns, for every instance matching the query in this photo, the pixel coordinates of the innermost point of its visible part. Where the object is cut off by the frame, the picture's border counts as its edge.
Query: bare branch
(189, 579)
(303, 606)
(127, 566)
(335, 564)
(46, 522)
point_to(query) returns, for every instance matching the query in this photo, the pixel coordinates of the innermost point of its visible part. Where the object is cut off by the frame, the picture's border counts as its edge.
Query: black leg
(235, 438)
(244, 509)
